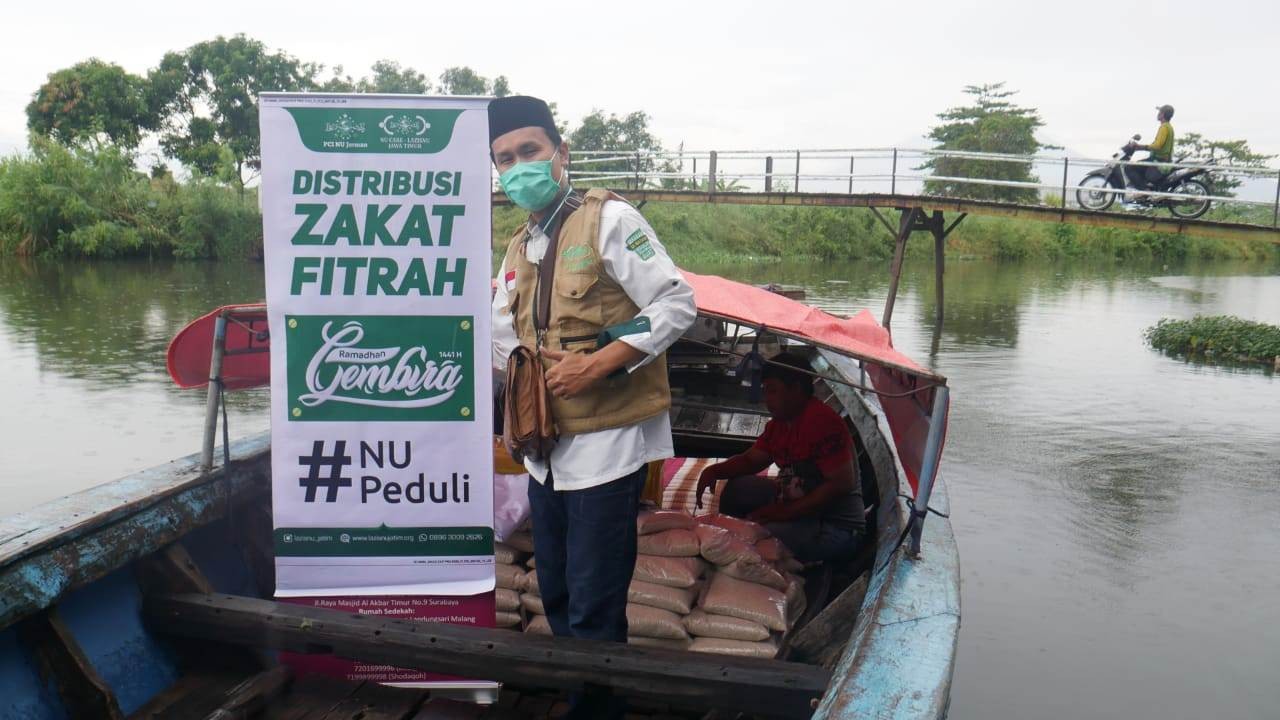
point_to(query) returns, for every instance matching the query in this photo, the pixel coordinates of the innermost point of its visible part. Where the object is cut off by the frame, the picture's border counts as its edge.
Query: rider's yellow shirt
(1162, 146)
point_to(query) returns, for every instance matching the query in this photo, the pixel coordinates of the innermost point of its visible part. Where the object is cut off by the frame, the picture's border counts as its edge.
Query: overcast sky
(719, 75)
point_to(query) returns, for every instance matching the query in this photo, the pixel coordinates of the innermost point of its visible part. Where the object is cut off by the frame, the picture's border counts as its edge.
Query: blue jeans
(585, 545)
(809, 538)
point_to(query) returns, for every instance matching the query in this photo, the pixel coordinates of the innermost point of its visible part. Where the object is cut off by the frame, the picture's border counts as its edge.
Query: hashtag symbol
(318, 460)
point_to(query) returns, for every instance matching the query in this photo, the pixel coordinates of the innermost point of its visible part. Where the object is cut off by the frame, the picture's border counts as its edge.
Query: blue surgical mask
(530, 184)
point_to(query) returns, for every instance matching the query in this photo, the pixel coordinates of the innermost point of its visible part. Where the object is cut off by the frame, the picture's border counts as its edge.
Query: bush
(76, 202)
(1222, 337)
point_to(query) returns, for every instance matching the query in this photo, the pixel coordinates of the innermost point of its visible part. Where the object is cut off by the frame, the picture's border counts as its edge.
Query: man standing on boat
(616, 302)
(815, 506)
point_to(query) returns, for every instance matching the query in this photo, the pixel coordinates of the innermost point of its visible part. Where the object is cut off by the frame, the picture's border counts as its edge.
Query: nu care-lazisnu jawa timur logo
(359, 368)
(374, 130)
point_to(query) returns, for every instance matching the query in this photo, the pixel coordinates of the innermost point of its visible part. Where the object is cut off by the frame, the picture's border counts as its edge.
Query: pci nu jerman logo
(380, 368)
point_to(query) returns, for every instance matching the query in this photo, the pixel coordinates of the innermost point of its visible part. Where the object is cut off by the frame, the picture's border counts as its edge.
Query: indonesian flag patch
(510, 279)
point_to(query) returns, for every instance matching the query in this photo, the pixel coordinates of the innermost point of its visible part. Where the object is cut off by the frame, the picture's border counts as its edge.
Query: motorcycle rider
(1160, 149)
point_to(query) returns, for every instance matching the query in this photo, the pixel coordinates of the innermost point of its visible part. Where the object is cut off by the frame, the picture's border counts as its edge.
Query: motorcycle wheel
(1192, 207)
(1089, 195)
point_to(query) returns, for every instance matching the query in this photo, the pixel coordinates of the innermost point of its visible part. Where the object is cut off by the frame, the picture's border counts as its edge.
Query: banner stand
(376, 234)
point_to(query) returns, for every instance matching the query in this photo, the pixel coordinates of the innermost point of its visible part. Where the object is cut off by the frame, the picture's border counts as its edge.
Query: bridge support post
(905, 225)
(711, 175)
(939, 263)
(768, 173)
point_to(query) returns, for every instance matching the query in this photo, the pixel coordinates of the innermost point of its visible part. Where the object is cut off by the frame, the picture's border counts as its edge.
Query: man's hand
(773, 512)
(572, 374)
(706, 481)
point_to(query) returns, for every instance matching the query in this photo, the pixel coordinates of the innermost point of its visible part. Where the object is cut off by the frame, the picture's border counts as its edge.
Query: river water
(1115, 508)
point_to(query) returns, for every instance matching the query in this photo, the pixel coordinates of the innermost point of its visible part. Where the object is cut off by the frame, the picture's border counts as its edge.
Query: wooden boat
(146, 596)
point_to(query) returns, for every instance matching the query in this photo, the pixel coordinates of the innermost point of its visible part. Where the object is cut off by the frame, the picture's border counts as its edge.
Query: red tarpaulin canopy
(859, 336)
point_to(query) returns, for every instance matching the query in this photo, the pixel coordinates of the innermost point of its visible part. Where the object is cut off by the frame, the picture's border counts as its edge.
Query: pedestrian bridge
(892, 178)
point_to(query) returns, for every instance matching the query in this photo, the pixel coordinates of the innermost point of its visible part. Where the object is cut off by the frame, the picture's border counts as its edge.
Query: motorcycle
(1100, 188)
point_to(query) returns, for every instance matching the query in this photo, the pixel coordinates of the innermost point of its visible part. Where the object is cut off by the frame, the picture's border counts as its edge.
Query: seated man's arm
(748, 463)
(837, 482)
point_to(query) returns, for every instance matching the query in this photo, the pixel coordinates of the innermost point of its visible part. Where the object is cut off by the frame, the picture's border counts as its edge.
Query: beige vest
(584, 301)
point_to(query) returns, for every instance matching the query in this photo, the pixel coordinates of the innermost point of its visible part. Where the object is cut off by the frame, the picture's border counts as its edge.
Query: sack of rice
(740, 648)
(504, 553)
(723, 547)
(653, 521)
(531, 582)
(509, 577)
(677, 600)
(506, 600)
(700, 623)
(677, 542)
(752, 532)
(642, 641)
(645, 621)
(756, 571)
(532, 603)
(797, 603)
(522, 541)
(506, 619)
(538, 625)
(680, 572)
(730, 596)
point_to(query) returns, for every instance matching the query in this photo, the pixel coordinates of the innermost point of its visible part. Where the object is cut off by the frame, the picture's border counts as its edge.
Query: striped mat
(680, 483)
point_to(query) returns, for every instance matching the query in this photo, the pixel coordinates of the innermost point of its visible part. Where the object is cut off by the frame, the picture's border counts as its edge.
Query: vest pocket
(576, 303)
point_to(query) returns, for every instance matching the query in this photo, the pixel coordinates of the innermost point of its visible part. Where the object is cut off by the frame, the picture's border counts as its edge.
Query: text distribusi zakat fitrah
(380, 225)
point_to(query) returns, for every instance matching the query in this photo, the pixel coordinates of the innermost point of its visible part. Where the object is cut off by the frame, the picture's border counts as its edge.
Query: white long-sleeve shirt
(647, 275)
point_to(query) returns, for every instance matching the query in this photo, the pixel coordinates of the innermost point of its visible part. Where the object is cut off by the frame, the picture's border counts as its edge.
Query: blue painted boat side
(23, 695)
(900, 659)
(106, 620)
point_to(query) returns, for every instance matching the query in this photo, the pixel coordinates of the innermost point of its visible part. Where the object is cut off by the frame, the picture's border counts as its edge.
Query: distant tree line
(201, 104)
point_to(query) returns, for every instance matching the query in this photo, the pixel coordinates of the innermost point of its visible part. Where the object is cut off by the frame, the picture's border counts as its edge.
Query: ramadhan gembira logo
(380, 368)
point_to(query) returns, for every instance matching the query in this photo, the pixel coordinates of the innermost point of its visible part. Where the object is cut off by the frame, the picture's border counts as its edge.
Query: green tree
(992, 124)
(462, 80)
(1236, 153)
(622, 135)
(92, 103)
(208, 97)
(389, 77)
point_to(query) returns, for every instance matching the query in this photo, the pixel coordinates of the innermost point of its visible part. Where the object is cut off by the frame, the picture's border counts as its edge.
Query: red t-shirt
(807, 450)
(817, 436)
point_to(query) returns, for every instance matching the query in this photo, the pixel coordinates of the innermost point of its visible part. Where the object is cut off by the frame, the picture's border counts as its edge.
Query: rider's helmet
(1167, 111)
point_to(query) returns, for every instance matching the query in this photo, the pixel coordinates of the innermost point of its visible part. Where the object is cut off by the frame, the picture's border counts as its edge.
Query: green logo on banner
(380, 367)
(374, 130)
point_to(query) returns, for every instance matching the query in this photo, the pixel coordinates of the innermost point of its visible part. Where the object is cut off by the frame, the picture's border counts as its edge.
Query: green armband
(640, 324)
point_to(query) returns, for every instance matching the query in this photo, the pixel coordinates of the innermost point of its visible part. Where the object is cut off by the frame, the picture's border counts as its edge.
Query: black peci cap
(520, 111)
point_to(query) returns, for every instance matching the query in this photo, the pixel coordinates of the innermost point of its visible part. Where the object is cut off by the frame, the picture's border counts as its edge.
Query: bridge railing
(895, 171)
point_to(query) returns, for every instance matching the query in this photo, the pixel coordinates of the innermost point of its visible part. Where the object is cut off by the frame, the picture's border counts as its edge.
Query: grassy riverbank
(66, 203)
(752, 233)
(1217, 337)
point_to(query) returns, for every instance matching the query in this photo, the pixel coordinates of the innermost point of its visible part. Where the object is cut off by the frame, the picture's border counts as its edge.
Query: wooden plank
(249, 697)
(372, 701)
(311, 696)
(34, 581)
(61, 662)
(171, 570)
(821, 641)
(686, 679)
(191, 695)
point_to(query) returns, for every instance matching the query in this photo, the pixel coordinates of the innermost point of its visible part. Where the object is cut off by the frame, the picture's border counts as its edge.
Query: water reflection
(1114, 507)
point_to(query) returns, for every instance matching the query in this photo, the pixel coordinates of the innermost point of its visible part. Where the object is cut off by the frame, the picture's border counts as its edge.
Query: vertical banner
(376, 214)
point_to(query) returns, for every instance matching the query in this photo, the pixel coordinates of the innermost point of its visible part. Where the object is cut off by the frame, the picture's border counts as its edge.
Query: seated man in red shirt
(815, 504)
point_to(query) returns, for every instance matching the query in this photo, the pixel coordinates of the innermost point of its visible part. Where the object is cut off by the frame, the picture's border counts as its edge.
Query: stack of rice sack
(666, 582)
(509, 557)
(753, 596)
(663, 588)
